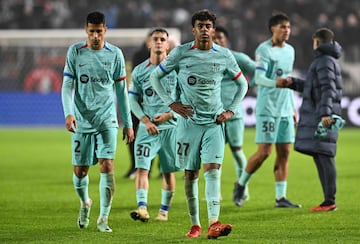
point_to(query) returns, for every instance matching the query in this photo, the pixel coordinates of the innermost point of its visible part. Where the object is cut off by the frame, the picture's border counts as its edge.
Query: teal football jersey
(273, 62)
(141, 92)
(93, 74)
(228, 87)
(200, 73)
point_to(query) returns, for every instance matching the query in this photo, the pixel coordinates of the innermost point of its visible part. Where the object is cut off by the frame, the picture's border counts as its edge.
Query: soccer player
(234, 127)
(140, 55)
(322, 92)
(95, 69)
(201, 66)
(157, 128)
(275, 110)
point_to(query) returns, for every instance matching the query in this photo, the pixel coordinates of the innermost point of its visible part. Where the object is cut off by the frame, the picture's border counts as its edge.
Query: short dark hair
(203, 14)
(96, 18)
(324, 35)
(162, 30)
(223, 30)
(277, 18)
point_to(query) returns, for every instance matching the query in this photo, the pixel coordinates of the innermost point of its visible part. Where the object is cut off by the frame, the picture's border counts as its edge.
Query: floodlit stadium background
(34, 36)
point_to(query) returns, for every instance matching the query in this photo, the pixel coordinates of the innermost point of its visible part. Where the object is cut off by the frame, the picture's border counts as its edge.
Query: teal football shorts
(87, 148)
(147, 146)
(275, 129)
(234, 132)
(198, 144)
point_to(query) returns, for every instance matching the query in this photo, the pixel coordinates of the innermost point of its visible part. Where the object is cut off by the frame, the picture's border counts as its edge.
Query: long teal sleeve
(240, 94)
(123, 103)
(155, 82)
(135, 106)
(66, 96)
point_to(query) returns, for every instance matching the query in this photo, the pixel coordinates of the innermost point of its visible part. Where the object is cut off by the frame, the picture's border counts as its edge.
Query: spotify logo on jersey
(84, 78)
(149, 92)
(191, 80)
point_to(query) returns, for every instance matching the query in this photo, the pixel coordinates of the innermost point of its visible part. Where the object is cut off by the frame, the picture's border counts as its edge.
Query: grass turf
(38, 203)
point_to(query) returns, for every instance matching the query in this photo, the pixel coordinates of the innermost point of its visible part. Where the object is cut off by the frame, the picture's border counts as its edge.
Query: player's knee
(191, 175)
(263, 154)
(106, 165)
(81, 172)
(264, 151)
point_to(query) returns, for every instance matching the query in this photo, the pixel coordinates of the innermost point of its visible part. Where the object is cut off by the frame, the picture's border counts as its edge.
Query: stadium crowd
(244, 19)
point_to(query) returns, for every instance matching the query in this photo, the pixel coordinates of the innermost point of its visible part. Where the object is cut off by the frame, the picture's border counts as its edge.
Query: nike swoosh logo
(218, 156)
(81, 65)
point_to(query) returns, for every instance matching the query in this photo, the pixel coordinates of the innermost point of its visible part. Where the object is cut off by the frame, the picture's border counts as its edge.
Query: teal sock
(81, 186)
(166, 198)
(280, 189)
(212, 193)
(106, 189)
(141, 197)
(240, 162)
(192, 192)
(244, 178)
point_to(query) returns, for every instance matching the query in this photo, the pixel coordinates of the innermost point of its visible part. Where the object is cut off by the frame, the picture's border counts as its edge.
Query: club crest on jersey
(107, 65)
(170, 80)
(279, 72)
(216, 67)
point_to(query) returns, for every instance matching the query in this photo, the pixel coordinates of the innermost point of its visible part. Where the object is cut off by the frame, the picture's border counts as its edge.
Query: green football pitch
(39, 205)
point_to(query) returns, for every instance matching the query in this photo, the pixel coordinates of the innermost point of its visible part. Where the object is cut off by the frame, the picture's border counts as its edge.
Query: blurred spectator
(306, 15)
(352, 46)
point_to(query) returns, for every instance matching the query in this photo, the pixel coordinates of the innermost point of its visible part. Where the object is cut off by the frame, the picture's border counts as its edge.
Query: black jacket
(322, 92)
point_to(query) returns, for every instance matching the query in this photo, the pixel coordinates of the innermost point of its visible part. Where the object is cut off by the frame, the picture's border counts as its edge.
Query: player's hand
(326, 121)
(161, 118)
(224, 116)
(128, 135)
(184, 111)
(283, 82)
(70, 123)
(151, 128)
